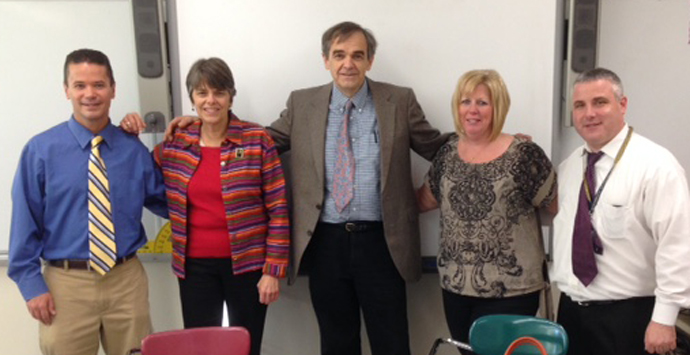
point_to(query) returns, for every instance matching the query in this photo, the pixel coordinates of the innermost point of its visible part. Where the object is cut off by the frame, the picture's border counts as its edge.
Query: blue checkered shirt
(365, 140)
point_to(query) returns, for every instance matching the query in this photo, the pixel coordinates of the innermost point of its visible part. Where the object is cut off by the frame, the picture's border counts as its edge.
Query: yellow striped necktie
(102, 249)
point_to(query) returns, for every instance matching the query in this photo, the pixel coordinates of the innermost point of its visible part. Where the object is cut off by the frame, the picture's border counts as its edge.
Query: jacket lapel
(317, 119)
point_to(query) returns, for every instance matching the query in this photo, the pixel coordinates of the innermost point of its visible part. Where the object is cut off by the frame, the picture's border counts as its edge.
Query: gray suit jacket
(301, 129)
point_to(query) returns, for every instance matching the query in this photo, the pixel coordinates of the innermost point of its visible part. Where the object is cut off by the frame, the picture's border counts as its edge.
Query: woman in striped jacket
(228, 211)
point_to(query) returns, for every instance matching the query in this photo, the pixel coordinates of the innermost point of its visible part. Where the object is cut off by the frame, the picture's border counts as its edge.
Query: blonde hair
(500, 99)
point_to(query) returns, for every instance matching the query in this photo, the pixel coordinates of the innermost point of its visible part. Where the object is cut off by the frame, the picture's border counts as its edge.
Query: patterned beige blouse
(489, 245)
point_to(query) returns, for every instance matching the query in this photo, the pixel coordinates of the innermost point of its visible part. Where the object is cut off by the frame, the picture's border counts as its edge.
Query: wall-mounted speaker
(585, 18)
(152, 63)
(582, 40)
(147, 36)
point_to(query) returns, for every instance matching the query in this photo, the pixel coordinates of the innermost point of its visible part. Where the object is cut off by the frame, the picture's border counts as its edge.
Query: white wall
(35, 38)
(19, 332)
(647, 44)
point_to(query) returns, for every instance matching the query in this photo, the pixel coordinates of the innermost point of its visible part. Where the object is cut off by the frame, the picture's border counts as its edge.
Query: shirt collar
(233, 135)
(84, 136)
(339, 100)
(612, 147)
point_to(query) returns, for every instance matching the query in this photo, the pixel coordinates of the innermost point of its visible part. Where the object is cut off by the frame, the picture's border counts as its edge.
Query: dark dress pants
(606, 328)
(209, 283)
(353, 271)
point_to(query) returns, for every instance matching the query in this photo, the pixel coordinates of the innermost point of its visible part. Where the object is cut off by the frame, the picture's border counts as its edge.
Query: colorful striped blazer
(253, 190)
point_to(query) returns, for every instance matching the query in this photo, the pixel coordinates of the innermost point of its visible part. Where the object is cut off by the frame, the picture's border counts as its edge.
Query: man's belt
(595, 303)
(81, 264)
(356, 227)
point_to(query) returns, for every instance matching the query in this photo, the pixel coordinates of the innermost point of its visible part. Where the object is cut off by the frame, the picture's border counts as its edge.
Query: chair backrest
(198, 341)
(491, 335)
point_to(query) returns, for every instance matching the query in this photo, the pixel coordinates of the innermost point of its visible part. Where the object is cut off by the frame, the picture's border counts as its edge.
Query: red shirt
(208, 228)
(253, 195)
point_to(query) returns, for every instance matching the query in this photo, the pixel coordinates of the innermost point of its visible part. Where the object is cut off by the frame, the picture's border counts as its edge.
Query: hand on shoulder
(133, 124)
(178, 122)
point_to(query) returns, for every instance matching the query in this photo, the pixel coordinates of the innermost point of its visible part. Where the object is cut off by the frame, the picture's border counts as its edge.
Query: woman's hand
(269, 289)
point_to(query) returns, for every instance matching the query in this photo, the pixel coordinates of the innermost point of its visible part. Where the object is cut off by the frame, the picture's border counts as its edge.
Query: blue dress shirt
(364, 137)
(49, 197)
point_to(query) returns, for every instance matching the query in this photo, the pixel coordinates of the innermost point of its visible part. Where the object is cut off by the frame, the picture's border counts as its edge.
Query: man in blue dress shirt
(78, 307)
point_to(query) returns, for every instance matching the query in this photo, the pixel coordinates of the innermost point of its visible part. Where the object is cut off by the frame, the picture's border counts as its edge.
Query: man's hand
(269, 289)
(659, 338)
(181, 122)
(42, 308)
(524, 136)
(133, 124)
(425, 199)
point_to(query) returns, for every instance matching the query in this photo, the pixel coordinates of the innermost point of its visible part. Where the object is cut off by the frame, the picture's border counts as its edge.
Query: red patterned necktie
(344, 177)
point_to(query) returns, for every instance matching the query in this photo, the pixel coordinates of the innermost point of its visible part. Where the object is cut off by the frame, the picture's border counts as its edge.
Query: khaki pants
(111, 309)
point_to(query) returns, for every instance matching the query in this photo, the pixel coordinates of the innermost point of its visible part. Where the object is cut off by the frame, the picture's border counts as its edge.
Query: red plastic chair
(197, 341)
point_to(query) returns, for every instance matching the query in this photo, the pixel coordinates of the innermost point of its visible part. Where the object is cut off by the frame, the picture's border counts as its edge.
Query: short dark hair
(602, 74)
(213, 72)
(88, 56)
(343, 31)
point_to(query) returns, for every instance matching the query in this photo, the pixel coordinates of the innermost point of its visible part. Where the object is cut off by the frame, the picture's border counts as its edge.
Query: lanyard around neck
(621, 150)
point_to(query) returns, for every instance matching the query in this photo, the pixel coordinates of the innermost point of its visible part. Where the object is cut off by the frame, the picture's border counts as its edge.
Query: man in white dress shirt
(622, 250)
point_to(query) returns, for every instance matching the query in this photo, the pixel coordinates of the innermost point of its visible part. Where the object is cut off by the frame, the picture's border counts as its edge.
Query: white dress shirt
(643, 220)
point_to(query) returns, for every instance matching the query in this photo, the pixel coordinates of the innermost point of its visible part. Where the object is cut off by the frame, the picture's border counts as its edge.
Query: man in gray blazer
(358, 247)
(361, 249)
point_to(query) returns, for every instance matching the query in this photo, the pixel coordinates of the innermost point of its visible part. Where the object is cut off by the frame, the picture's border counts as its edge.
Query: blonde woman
(487, 185)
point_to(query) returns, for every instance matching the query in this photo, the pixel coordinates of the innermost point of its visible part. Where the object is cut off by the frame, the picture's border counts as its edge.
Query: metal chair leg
(450, 341)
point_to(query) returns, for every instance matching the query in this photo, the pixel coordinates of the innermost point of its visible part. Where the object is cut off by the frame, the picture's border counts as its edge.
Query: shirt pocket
(615, 219)
(375, 135)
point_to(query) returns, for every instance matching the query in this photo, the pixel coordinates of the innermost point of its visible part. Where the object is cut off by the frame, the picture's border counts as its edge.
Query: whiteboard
(35, 38)
(274, 47)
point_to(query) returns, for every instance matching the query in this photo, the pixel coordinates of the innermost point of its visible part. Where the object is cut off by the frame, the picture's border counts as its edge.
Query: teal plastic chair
(492, 335)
